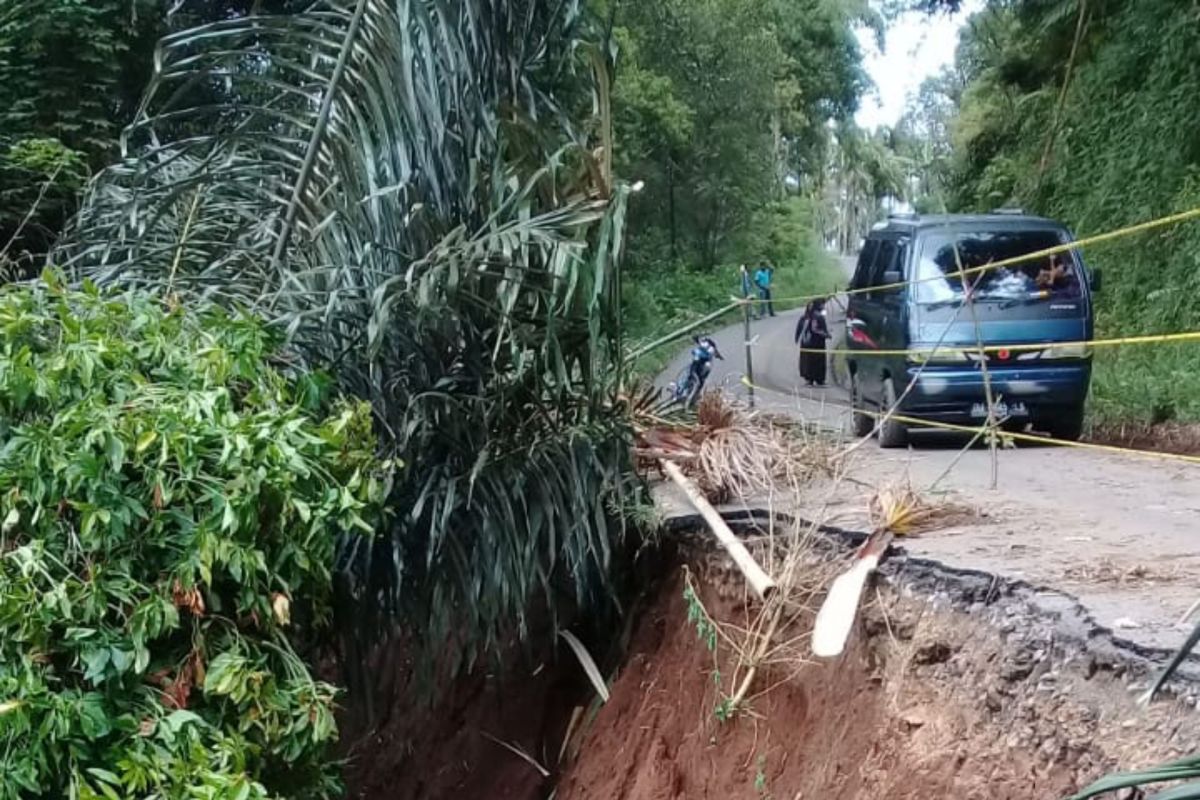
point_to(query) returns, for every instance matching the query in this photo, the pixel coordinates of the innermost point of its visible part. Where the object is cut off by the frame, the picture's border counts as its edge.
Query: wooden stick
(759, 580)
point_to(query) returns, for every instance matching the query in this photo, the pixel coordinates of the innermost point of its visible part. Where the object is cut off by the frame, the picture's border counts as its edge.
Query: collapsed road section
(954, 684)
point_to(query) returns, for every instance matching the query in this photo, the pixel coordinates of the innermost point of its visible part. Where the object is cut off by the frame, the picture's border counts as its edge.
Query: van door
(872, 319)
(891, 297)
(856, 338)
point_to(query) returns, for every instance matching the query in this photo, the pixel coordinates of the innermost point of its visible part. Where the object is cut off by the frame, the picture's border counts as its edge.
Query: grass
(1145, 385)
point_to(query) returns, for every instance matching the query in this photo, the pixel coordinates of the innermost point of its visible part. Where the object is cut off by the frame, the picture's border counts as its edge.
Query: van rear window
(1050, 276)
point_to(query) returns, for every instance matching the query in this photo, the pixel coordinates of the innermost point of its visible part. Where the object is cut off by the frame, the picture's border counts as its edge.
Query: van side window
(896, 264)
(883, 262)
(866, 259)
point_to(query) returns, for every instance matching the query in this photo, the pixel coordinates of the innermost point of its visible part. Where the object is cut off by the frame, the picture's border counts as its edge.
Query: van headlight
(1070, 350)
(937, 355)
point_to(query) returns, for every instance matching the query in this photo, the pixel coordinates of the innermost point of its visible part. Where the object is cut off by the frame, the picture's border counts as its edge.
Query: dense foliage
(865, 172)
(1084, 111)
(719, 104)
(722, 110)
(71, 77)
(170, 503)
(411, 193)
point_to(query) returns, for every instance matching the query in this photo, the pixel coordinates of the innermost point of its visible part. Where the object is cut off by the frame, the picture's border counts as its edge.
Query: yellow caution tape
(1029, 437)
(953, 350)
(1026, 437)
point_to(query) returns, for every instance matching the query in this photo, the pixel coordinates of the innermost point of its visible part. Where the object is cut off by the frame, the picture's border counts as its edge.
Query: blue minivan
(911, 335)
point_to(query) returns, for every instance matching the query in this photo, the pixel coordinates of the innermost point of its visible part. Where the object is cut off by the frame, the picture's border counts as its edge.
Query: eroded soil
(956, 684)
(938, 696)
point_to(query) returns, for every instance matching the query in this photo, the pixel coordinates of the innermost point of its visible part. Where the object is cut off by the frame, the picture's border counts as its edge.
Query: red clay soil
(831, 733)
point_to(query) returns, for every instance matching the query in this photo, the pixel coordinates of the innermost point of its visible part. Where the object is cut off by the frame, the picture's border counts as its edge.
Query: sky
(917, 46)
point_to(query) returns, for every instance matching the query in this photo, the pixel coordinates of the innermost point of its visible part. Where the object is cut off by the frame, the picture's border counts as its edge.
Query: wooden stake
(759, 580)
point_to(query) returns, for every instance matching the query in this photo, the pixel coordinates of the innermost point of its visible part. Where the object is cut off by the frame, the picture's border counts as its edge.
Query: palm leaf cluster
(1187, 769)
(417, 192)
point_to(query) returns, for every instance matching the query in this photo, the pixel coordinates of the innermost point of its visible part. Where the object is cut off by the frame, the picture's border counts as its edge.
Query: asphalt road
(1118, 532)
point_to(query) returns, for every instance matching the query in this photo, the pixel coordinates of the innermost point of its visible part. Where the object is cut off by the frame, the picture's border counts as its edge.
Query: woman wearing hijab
(811, 333)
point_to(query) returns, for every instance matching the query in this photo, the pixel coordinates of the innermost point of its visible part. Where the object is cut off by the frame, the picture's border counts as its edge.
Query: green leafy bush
(170, 505)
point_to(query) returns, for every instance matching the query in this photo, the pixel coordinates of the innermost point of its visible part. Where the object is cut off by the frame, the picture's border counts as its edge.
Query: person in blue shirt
(762, 279)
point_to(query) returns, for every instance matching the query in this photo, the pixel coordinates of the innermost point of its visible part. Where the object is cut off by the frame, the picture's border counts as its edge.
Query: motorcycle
(686, 389)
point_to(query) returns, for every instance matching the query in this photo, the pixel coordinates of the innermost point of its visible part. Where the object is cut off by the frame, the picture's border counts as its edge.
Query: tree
(63, 65)
(864, 172)
(922, 137)
(71, 76)
(402, 189)
(717, 102)
(712, 65)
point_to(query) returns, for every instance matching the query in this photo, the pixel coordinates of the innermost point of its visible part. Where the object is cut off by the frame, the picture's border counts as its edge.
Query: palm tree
(865, 172)
(419, 194)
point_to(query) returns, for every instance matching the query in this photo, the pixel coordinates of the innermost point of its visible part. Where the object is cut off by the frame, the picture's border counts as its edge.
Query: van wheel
(1066, 425)
(861, 424)
(892, 433)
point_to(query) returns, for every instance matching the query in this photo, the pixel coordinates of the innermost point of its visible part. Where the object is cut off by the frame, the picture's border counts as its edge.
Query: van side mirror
(1095, 282)
(892, 277)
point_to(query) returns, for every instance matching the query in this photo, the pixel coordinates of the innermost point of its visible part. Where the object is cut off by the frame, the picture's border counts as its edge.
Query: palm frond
(403, 186)
(1184, 769)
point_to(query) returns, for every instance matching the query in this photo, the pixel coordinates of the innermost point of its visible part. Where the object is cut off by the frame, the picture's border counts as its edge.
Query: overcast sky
(918, 45)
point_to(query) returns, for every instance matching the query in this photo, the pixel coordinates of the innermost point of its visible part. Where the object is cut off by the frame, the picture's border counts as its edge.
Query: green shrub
(170, 504)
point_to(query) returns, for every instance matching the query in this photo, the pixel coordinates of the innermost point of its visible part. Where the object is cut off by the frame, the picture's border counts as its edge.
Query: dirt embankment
(939, 696)
(956, 684)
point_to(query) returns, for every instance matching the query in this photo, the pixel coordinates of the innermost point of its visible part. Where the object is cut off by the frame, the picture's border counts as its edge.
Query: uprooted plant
(171, 504)
(732, 452)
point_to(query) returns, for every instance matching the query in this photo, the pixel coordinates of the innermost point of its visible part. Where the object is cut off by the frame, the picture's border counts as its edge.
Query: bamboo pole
(749, 358)
(759, 580)
(835, 619)
(681, 332)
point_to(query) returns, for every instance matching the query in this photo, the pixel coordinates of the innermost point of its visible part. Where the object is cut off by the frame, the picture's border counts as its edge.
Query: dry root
(732, 452)
(904, 512)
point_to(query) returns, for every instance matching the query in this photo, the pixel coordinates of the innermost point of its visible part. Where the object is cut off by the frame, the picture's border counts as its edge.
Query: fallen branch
(836, 617)
(759, 580)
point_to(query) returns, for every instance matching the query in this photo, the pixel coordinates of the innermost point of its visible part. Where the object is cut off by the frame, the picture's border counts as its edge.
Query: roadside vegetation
(722, 113)
(1077, 110)
(307, 270)
(171, 503)
(329, 355)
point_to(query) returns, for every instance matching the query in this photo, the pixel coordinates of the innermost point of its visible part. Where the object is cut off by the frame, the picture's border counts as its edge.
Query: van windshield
(1054, 276)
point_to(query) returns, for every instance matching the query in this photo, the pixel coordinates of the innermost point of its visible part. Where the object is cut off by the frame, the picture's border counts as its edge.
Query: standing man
(746, 285)
(762, 279)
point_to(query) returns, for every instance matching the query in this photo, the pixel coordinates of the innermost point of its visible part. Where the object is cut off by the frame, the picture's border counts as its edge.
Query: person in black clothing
(811, 333)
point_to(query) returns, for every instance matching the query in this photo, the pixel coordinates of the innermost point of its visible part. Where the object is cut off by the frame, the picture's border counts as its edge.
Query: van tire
(892, 433)
(861, 425)
(1066, 425)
